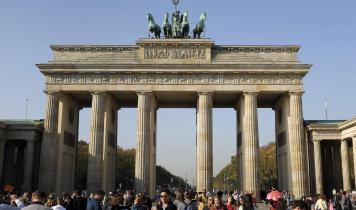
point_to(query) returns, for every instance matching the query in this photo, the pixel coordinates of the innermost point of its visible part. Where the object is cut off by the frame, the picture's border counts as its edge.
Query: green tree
(125, 169)
(226, 179)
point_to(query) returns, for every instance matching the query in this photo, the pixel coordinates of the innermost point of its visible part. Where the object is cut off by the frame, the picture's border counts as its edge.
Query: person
(38, 201)
(345, 201)
(128, 198)
(138, 203)
(16, 201)
(112, 203)
(334, 193)
(218, 205)
(210, 202)
(281, 204)
(331, 204)
(96, 202)
(200, 203)
(241, 203)
(165, 203)
(298, 205)
(188, 201)
(321, 203)
(178, 202)
(6, 206)
(79, 202)
(60, 203)
(230, 205)
(51, 201)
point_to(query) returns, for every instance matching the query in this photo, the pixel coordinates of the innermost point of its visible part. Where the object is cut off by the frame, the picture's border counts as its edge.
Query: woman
(321, 203)
(230, 205)
(200, 204)
(218, 205)
(165, 202)
(178, 202)
(241, 203)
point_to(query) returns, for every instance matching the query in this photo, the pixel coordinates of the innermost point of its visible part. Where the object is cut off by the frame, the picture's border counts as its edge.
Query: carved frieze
(173, 79)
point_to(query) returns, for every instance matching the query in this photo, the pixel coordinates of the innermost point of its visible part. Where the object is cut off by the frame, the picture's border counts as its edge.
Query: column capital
(53, 93)
(255, 93)
(210, 93)
(98, 92)
(296, 92)
(144, 93)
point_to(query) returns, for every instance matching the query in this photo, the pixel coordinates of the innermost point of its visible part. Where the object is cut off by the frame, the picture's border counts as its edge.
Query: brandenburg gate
(162, 73)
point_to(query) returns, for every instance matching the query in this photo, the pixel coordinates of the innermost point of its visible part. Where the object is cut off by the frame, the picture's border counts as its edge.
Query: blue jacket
(93, 205)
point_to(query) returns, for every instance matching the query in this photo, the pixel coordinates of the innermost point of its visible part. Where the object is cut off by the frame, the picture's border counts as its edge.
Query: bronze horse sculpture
(153, 27)
(199, 28)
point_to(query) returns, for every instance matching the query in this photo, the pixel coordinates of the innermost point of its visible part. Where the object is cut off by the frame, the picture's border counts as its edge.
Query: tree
(125, 169)
(227, 177)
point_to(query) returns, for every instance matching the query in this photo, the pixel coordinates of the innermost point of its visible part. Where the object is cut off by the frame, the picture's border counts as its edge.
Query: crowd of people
(171, 200)
(342, 200)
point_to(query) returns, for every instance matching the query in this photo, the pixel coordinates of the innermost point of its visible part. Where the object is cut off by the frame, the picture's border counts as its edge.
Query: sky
(325, 30)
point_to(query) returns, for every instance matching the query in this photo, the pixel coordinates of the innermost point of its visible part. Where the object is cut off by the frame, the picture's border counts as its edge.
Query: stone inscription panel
(173, 79)
(177, 53)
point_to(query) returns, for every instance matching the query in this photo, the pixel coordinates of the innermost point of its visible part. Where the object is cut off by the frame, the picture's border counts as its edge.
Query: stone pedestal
(345, 165)
(142, 165)
(204, 142)
(250, 148)
(95, 159)
(318, 168)
(49, 145)
(297, 149)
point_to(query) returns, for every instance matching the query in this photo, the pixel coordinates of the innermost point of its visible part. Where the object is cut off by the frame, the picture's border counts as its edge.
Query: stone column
(27, 182)
(142, 164)
(345, 165)
(250, 143)
(49, 145)
(95, 159)
(354, 153)
(153, 140)
(297, 151)
(2, 156)
(318, 168)
(205, 142)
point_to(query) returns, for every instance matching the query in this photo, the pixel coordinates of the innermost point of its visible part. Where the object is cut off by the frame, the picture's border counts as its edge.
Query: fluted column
(251, 144)
(95, 158)
(297, 151)
(205, 142)
(49, 145)
(345, 165)
(318, 168)
(28, 166)
(354, 153)
(153, 140)
(142, 163)
(2, 156)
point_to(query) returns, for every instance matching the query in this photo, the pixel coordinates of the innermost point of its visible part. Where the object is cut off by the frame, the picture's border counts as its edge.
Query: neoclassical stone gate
(159, 73)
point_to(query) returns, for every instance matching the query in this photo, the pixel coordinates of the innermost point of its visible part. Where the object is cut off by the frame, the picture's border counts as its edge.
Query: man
(138, 203)
(299, 205)
(79, 202)
(96, 203)
(38, 201)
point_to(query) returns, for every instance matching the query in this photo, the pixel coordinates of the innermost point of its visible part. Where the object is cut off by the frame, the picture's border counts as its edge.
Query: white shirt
(58, 207)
